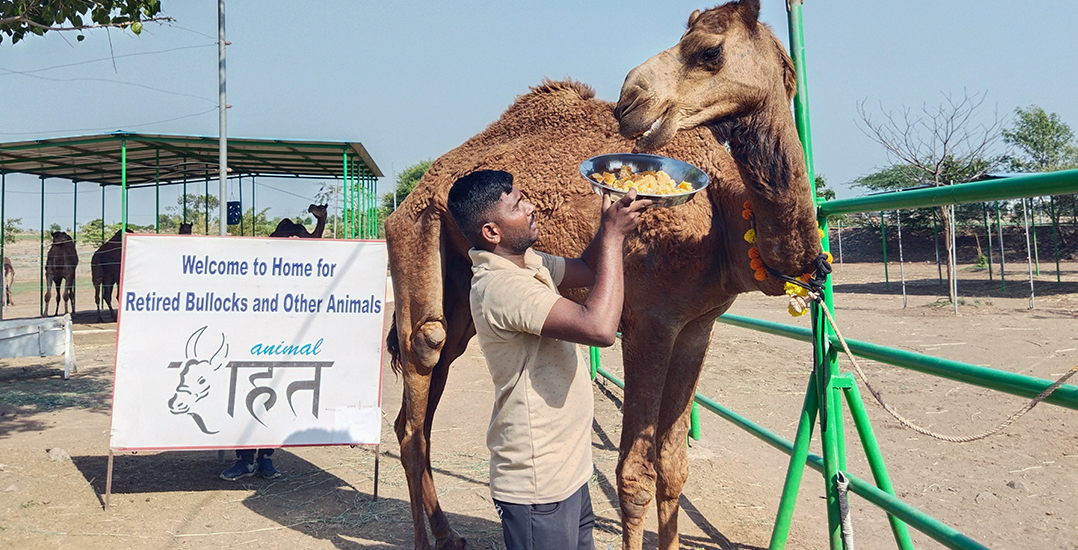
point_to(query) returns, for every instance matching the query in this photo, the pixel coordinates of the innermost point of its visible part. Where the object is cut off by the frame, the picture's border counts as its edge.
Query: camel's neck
(766, 147)
(768, 152)
(319, 228)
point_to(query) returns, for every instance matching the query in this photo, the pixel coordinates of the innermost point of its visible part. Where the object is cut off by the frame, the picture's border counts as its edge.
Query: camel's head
(59, 237)
(726, 64)
(185, 229)
(319, 210)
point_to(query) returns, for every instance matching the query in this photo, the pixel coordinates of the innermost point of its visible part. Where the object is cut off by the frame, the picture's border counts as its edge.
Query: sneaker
(266, 469)
(240, 469)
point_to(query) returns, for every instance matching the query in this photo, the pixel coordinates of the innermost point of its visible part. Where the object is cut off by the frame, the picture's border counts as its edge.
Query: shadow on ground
(305, 498)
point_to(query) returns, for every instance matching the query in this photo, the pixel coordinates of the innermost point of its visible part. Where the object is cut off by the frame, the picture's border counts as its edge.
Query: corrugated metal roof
(174, 158)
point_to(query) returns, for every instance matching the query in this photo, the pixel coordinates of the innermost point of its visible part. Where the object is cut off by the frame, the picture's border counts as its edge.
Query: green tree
(19, 17)
(823, 192)
(1044, 143)
(11, 228)
(406, 182)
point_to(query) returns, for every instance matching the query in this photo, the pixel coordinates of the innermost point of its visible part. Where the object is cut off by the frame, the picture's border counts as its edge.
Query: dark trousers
(555, 526)
(248, 455)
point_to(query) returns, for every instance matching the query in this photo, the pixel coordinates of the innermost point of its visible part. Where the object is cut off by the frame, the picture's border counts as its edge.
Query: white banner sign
(228, 342)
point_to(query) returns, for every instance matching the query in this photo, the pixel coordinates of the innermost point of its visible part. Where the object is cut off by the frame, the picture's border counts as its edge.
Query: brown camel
(60, 267)
(9, 279)
(728, 81)
(185, 229)
(105, 272)
(289, 228)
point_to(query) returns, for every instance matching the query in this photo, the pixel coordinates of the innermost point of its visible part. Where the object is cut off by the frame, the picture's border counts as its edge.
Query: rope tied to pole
(818, 298)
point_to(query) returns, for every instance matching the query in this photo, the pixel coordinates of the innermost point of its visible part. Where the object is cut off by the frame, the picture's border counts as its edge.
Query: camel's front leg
(672, 464)
(645, 356)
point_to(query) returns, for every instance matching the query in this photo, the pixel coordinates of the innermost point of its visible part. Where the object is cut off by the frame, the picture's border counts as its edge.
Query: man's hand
(622, 216)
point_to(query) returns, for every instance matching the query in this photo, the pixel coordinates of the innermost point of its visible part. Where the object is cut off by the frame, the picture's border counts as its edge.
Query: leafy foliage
(1046, 142)
(11, 228)
(19, 17)
(406, 182)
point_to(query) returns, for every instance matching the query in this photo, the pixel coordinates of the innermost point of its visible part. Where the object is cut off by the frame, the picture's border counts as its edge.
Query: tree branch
(26, 21)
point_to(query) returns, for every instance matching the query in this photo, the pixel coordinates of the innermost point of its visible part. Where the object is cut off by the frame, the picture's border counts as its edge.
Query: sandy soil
(1016, 490)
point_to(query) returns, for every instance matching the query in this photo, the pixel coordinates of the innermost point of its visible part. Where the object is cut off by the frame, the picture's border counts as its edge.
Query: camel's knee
(427, 343)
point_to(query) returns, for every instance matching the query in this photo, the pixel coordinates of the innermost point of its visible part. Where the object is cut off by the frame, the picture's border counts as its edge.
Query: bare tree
(944, 144)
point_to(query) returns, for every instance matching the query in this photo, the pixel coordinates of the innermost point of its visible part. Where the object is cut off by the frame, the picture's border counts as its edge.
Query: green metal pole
(999, 380)
(241, 206)
(102, 213)
(796, 468)
(1026, 185)
(594, 352)
(694, 422)
(254, 211)
(123, 186)
(41, 258)
(1055, 238)
(883, 236)
(206, 197)
(1002, 252)
(3, 237)
(347, 200)
(875, 458)
(74, 214)
(185, 190)
(157, 191)
(987, 231)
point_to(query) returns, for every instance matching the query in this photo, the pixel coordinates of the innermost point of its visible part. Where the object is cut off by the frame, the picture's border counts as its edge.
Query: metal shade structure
(133, 160)
(146, 159)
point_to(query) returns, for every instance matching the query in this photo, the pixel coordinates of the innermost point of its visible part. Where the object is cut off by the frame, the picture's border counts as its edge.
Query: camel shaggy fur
(60, 267)
(727, 83)
(105, 271)
(289, 228)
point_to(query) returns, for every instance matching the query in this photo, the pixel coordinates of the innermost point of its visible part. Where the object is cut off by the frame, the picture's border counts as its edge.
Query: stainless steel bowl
(638, 162)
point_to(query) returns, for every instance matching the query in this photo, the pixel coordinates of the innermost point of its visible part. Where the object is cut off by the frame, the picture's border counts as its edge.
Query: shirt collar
(483, 259)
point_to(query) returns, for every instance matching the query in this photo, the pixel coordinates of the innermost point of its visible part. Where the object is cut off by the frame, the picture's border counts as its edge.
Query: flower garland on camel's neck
(799, 290)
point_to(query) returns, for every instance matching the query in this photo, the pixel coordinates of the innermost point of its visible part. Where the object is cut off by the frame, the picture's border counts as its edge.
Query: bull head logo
(195, 379)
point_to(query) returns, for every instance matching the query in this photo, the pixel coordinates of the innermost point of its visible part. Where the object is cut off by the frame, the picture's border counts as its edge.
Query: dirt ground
(1016, 490)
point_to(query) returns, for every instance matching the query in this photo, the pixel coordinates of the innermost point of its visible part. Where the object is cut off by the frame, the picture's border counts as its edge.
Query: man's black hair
(471, 198)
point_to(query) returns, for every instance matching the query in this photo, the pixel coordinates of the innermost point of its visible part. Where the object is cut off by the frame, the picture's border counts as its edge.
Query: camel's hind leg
(97, 300)
(69, 295)
(672, 464)
(427, 281)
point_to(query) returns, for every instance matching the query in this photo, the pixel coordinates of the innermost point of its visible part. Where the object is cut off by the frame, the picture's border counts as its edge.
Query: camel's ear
(692, 18)
(749, 10)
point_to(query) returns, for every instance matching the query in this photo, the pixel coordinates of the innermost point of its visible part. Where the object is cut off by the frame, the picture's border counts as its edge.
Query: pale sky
(412, 80)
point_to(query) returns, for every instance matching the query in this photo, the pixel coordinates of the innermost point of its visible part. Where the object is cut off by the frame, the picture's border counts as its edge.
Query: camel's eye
(711, 56)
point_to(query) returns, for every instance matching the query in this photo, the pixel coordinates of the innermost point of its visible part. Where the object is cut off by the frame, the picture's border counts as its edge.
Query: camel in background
(185, 229)
(9, 279)
(105, 272)
(60, 267)
(289, 228)
(727, 83)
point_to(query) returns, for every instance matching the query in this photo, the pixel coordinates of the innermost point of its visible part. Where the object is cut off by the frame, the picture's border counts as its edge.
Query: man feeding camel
(540, 430)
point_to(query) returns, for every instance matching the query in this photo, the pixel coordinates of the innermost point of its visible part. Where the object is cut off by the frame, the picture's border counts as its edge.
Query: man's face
(515, 218)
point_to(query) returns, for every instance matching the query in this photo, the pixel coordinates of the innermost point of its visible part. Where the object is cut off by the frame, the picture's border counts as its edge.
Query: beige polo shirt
(540, 429)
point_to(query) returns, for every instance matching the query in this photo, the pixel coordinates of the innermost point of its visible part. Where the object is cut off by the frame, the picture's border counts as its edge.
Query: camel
(105, 271)
(9, 279)
(727, 83)
(185, 229)
(289, 228)
(60, 267)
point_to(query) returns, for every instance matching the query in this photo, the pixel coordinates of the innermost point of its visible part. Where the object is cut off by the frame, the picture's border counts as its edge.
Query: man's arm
(595, 322)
